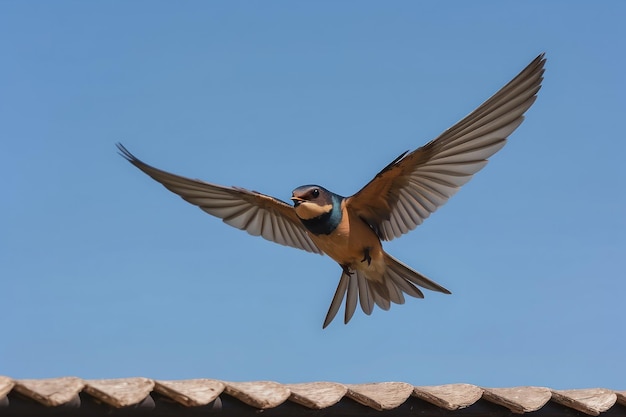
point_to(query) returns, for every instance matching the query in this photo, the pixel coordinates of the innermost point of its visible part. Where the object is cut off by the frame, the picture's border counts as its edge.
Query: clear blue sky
(106, 274)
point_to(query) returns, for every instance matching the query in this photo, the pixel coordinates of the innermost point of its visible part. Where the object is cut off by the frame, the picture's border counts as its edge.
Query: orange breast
(347, 243)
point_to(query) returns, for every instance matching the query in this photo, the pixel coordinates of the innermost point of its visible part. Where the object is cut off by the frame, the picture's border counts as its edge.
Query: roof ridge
(265, 395)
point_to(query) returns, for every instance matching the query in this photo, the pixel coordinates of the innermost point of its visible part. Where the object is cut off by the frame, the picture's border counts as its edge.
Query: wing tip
(125, 153)
(538, 66)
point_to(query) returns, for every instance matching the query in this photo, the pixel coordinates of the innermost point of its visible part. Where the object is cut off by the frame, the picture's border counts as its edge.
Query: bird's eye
(315, 193)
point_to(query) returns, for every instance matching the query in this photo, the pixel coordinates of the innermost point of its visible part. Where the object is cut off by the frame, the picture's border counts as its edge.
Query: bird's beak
(297, 201)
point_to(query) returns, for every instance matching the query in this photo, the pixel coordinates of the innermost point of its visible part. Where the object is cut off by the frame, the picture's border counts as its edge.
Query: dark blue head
(318, 208)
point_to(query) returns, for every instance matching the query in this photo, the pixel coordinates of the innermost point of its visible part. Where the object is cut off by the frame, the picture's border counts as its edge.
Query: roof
(129, 396)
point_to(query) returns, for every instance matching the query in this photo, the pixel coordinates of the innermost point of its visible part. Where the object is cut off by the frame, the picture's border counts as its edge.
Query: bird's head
(312, 201)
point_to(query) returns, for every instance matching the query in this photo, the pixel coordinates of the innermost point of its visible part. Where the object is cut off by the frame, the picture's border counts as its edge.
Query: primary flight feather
(398, 199)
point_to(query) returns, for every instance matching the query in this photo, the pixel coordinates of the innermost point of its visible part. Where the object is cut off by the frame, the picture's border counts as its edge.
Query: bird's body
(398, 199)
(338, 230)
(347, 242)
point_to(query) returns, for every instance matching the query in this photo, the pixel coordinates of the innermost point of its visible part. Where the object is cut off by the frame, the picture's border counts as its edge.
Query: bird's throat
(308, 211)
(320, 220)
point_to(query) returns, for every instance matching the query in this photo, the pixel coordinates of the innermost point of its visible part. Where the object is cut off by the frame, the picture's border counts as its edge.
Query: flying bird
(394, 202)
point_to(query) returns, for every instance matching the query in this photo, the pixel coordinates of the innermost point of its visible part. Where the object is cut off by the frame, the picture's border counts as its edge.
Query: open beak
(297, 201)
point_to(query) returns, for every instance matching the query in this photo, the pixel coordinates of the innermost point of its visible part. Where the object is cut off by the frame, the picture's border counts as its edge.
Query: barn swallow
(395, 201)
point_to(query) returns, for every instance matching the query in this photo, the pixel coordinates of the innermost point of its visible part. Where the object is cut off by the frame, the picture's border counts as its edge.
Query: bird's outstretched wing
(415, 184)
(256, 213)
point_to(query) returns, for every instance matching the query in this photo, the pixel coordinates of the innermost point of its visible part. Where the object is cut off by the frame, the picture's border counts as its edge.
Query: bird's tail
(397, 280)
